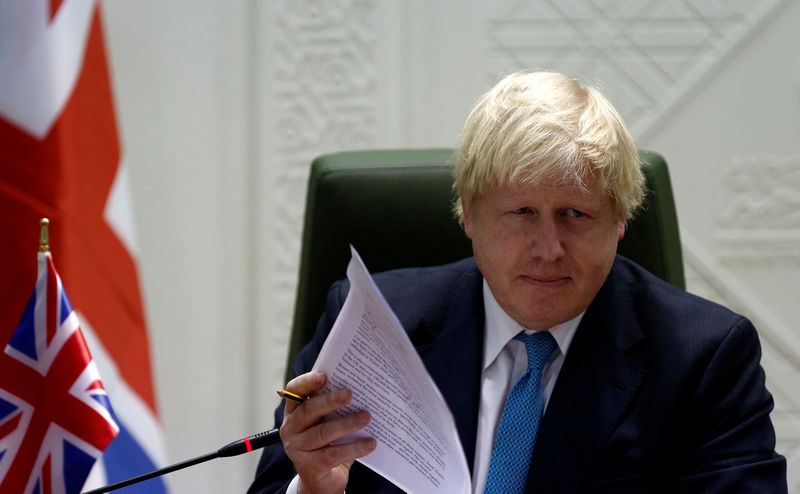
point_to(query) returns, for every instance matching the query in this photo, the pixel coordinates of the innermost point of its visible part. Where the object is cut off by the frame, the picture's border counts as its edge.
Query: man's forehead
(590, 189)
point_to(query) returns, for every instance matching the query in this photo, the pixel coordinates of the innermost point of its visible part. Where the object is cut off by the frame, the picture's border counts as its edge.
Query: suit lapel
(596, 385)
(450, 342)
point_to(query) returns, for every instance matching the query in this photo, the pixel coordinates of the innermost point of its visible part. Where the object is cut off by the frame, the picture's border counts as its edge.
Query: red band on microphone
(247, 442)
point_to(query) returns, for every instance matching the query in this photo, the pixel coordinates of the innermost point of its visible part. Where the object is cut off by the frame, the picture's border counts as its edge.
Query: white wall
(222, 105)
(181, 75)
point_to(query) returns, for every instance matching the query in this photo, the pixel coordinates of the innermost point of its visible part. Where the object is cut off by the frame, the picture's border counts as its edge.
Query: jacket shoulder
(658, 300)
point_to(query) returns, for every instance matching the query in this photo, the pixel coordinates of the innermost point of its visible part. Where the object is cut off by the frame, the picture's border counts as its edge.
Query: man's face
(544, 250)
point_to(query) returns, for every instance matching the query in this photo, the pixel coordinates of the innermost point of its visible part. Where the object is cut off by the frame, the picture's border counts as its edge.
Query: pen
(291, 396)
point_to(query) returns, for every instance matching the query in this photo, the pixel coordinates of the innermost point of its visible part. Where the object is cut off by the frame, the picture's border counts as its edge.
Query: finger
(312, 411)
(304, 385)
(321, 405)
(324, 434)
(337, 454)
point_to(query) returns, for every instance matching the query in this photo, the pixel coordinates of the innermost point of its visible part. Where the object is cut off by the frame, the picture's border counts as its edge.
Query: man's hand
(323, 468)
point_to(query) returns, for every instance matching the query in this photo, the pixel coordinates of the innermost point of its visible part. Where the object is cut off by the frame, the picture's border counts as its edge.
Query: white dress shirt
(505, 360)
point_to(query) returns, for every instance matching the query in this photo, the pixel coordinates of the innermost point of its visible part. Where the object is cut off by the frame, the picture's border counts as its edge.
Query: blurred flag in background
(60, 158)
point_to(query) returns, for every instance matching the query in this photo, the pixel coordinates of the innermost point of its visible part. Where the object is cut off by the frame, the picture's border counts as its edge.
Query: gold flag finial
(44, 235)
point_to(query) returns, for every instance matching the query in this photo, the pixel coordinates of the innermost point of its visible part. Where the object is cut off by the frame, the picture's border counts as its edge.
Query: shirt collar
(501, 328)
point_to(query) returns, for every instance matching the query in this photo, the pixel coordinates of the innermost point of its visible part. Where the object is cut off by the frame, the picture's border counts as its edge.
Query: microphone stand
(235, 448)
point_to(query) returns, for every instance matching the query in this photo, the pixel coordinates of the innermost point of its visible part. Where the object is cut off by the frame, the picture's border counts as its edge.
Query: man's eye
(574, 213)
(521, 211)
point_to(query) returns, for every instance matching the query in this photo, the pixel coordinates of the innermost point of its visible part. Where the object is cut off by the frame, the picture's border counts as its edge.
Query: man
(644, 388)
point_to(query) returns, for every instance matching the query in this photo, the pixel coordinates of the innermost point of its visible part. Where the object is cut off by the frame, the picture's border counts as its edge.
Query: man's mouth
(546, 281)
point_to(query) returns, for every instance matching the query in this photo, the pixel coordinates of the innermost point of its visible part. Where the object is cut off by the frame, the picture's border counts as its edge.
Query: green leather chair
(394, 206)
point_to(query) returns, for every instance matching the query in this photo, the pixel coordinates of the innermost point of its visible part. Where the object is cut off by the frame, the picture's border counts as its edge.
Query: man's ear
(621, 228)
(466, 219)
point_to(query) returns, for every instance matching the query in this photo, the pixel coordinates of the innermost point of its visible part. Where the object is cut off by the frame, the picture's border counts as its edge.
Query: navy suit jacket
(661, 391)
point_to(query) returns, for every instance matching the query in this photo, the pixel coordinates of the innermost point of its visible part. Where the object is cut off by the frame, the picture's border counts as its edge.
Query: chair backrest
(394, 206)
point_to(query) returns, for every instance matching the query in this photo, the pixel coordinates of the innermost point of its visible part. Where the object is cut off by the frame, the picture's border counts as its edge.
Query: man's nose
(547, 244)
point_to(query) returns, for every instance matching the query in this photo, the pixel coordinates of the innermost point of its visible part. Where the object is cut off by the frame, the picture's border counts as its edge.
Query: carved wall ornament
(322, 94)
(648, 55)
(761, 221)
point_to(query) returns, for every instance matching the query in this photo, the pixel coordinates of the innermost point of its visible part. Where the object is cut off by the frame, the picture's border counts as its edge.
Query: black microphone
(235, 448)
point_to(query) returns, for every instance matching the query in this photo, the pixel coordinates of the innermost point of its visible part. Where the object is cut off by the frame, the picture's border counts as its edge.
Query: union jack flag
(55, 416)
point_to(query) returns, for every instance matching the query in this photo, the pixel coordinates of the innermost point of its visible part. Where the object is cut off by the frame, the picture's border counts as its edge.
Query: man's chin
(545, 313)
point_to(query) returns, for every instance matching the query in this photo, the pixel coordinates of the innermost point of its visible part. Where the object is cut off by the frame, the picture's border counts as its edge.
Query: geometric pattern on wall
(645, 55)
(760, 224)
(323, 99)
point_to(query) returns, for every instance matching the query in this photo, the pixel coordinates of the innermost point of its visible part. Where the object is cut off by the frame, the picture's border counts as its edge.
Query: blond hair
(534, 127)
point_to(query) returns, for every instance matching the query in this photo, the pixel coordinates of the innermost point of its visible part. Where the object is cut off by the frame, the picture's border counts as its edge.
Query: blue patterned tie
(516, 434)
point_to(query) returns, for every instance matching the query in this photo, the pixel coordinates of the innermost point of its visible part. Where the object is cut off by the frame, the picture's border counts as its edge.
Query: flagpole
(44, 235)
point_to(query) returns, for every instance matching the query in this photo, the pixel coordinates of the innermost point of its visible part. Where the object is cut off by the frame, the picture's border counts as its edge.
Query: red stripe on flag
(95, 385)
(54, 6)
(47, 484)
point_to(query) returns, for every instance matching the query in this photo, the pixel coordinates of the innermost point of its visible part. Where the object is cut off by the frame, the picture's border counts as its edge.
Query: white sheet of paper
(368, 352)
